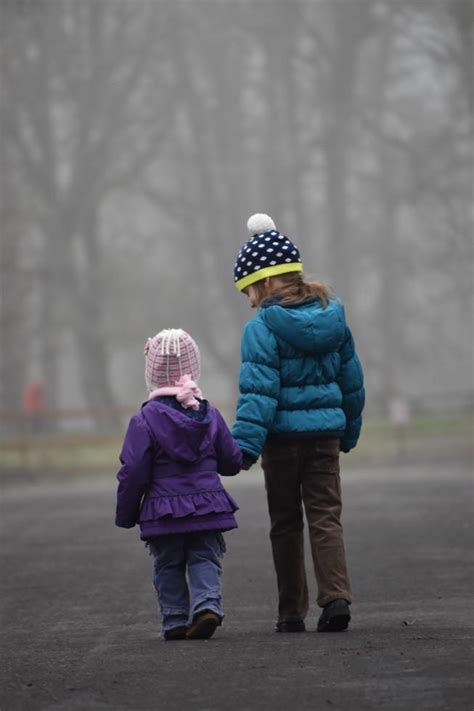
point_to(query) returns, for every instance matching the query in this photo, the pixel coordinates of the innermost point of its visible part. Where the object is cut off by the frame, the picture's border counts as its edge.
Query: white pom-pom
(260, 223)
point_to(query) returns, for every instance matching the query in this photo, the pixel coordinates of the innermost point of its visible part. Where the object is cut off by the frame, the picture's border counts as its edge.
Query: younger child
(174, 450)
(301, 398)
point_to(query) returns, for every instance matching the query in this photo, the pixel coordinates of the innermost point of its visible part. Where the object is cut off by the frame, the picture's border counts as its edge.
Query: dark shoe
(204, 625)
(291, 626)
(175, 633)
(335, 616)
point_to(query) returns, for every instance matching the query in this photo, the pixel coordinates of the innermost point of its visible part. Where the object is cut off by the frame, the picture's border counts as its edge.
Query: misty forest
(138, 136)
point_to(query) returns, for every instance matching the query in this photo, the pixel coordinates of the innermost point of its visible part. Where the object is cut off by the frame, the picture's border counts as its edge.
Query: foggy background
(138, 136)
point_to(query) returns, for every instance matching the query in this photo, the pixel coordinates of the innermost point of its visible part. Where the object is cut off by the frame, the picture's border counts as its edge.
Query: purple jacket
(169, 481)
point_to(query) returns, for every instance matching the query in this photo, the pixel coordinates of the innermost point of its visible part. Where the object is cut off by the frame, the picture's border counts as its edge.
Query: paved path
(80, 632)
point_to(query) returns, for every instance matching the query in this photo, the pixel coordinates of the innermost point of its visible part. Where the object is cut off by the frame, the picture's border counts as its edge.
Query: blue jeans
(197, 554)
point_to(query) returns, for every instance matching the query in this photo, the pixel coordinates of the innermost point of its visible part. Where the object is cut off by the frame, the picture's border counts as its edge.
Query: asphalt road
(80, 627)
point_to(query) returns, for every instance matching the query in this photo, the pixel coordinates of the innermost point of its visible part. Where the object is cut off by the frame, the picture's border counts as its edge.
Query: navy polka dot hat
(267, 253)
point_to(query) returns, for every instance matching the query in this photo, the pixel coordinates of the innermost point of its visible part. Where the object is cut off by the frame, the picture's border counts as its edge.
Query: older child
(301, 398)
(174, 450)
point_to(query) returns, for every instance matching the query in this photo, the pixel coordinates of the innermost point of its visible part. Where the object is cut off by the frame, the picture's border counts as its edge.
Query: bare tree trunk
(462, 13)
(15, 286)
(336, 149)
(13, 324)
(281, 171)
(351, 24)
(386, 233)
(54, 286)
(93, 359)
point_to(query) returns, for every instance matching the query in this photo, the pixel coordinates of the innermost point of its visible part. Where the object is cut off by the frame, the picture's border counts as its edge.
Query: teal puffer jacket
(300, 376)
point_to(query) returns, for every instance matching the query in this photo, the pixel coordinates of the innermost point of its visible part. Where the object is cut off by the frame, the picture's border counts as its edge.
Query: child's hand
(123, 522)
(247, 461)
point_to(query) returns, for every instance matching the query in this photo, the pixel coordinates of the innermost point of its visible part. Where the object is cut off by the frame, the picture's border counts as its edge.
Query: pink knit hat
(169, 355)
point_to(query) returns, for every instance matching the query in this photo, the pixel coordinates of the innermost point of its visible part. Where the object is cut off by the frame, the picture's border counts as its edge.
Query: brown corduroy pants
(305, 471)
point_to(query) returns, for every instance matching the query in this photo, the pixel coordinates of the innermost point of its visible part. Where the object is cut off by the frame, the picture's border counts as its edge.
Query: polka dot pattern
(264, 251)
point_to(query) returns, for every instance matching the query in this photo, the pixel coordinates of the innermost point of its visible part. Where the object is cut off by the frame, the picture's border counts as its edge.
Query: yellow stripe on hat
(267, 272)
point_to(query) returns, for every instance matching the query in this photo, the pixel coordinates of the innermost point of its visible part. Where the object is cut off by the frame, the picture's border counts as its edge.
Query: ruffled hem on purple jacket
(180, 505)
(185, 513)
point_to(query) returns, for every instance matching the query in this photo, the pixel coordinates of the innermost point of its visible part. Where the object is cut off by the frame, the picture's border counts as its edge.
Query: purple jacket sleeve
(136, 459)
(228, 452)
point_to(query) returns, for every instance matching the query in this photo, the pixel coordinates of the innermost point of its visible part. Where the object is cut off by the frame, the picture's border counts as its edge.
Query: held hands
(247, 461)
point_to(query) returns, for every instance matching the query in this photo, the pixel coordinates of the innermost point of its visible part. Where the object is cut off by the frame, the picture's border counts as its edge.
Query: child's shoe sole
(175, 633)
(290, 626)
(335, 624)
(204, 626)
(335, 617)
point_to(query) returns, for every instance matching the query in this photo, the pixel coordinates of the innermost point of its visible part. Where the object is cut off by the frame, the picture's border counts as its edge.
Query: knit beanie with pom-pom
(267, 253)
(169, 355)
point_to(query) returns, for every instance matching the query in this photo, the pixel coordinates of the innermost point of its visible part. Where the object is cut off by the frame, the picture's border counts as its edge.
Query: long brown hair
(292, 288)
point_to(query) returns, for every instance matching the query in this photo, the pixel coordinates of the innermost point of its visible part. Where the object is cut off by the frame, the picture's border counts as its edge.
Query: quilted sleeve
(259, 385)
(351, 382)
(229, 454)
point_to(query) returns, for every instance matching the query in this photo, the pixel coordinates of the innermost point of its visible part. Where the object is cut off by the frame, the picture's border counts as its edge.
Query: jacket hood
(181, 438)
(308, 326)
